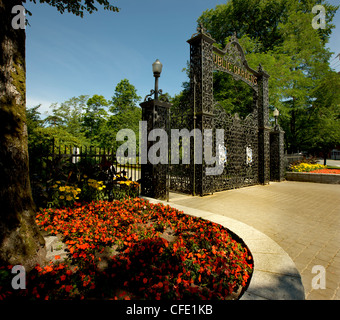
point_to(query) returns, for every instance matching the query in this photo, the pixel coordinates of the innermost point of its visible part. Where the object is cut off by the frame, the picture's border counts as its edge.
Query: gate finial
(234, 37)
(201, 30)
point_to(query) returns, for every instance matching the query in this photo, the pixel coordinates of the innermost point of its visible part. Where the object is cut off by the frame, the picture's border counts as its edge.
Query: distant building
(335, 154)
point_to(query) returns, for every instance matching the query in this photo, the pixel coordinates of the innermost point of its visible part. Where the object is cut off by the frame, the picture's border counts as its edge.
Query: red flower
(91, 228)
(68, 288)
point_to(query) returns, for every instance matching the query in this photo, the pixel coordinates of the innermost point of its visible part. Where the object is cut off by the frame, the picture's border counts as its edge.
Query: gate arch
(252, 133)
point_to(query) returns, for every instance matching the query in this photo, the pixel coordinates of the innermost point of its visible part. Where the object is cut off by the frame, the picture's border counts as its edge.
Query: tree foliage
(324, 119)
(78, 7)
(95, 118)
(279, 35)
(84, 121)
(125, 97)
(125, 114)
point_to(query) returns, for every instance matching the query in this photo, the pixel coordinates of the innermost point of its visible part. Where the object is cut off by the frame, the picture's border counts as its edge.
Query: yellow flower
(68, 198)
(61, 197)
(61, 189)
(58, 182)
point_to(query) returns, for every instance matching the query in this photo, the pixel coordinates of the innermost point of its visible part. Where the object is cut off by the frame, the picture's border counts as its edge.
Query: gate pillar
(277, 164)
(263, 126)
(202, 100)
(155, 169)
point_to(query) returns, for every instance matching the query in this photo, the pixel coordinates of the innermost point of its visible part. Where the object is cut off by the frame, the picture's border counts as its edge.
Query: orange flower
(48, 268)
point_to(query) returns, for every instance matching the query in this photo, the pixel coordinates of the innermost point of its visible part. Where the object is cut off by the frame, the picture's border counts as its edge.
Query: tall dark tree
(20, 239)
(126, 114)
(324, 118)
(95, 118)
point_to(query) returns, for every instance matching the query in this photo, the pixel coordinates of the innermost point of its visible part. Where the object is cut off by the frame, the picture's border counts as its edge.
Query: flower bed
(327, 171)
(306, 167)
(133, 249)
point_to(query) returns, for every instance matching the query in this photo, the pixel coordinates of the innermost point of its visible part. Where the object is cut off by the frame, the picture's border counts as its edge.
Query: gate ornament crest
(232, 60)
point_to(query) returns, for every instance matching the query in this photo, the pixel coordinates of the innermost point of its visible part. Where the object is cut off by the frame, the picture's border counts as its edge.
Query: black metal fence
(69, 164)
(105, 158)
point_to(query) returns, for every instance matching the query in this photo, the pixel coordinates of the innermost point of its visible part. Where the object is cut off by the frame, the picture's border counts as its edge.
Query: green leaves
(88, 120)
(125, 97)
(95, 118)
(279, 35)
(77, 7)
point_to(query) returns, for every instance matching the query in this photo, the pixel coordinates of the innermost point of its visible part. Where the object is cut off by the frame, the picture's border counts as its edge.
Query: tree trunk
(20, 239)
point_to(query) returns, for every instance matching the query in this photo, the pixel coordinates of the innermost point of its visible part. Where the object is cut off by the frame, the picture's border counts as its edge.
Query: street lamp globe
(157, 68)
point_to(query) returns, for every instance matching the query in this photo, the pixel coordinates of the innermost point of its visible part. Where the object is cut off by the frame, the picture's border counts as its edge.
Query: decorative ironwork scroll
(232, 61)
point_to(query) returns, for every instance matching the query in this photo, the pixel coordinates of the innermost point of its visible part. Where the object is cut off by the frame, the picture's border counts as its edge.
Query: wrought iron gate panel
(246, 141)
(239, 134)
(181, 175)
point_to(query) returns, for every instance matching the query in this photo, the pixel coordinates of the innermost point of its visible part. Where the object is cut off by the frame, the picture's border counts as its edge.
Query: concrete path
(330, 162)
(302, 218)
(275, 276)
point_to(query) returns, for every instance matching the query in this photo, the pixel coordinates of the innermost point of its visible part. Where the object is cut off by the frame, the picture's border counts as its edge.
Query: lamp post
(155, 180)
(276, 114)
(157, 70)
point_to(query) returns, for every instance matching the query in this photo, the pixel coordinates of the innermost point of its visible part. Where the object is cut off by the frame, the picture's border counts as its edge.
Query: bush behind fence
(70, 165)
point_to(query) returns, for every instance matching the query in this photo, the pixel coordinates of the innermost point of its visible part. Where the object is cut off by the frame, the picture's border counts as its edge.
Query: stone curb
(313, 177)
(275, 276)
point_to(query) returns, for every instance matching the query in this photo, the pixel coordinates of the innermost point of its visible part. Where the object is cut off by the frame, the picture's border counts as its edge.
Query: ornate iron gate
(245, 152)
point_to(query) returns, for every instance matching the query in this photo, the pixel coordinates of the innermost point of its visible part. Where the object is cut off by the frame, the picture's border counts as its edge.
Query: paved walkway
(330, 162)
(303, 218)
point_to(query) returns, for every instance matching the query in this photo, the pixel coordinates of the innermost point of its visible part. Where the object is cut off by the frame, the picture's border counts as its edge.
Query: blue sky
(67, 56)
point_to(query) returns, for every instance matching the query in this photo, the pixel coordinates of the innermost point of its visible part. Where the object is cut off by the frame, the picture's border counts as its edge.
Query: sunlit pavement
(302, 218)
